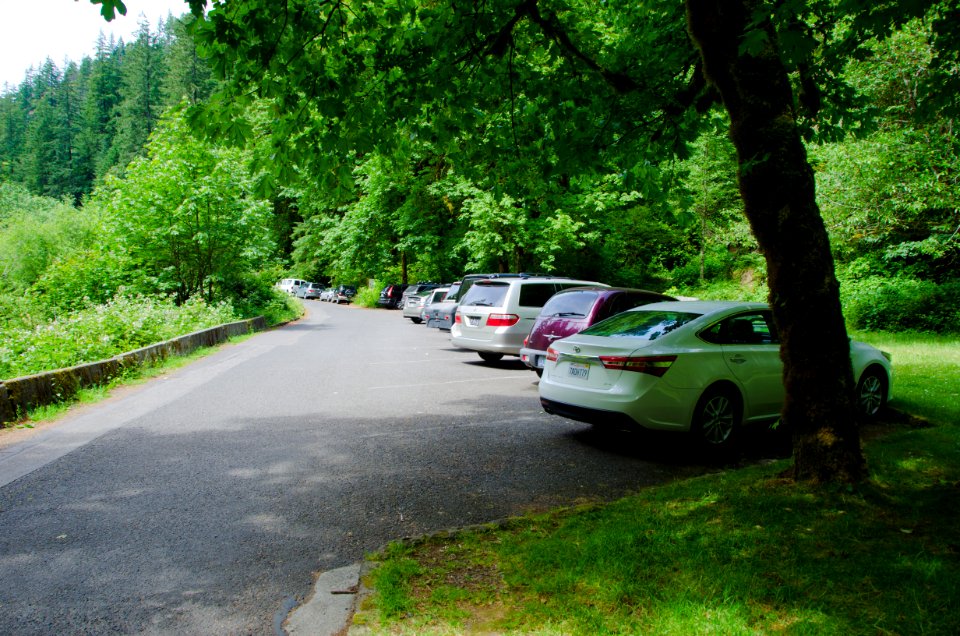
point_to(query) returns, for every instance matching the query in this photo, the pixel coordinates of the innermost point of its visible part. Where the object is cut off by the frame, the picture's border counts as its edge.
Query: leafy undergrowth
(103, 331)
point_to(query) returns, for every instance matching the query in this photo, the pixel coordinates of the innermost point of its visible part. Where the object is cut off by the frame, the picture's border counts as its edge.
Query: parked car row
(415, 306)
(395, 296)
(339, 294)
(631, 358)
(313, 291)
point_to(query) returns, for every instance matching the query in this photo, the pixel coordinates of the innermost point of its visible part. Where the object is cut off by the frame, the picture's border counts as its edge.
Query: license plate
(579, 370)
(538, 362)
(473, 321)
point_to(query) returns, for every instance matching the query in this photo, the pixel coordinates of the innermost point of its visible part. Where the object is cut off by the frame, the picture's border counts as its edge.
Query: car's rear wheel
(716, 419)
(416, 321)
(872, 392)
(486, 356)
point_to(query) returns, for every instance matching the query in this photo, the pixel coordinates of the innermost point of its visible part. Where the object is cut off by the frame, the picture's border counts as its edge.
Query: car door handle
(738, 359)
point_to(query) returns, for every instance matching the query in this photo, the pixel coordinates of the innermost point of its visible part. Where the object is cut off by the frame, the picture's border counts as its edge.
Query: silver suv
(495, 315)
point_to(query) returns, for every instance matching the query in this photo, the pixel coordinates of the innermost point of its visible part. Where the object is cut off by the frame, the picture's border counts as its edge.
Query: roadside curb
(19, 395)
(329, 610)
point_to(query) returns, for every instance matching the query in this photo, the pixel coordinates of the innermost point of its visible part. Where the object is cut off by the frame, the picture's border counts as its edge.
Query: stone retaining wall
(21, 394)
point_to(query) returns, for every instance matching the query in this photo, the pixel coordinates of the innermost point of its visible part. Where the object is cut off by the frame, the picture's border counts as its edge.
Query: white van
(290, 285)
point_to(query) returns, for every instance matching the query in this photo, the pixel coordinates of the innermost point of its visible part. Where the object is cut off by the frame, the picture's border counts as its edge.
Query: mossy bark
(778, 190)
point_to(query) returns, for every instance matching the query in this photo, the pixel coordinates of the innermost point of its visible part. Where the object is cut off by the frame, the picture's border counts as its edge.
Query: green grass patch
(740, 552)
(926, 373)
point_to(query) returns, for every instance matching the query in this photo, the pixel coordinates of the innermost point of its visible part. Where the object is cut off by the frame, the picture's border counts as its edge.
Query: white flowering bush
(123, 324)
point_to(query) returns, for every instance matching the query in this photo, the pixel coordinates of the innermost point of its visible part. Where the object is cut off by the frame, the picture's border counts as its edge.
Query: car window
(452, 293)
(536, 294)
(485, 295)
(752, 328)
(570, 304)
(648, 325)
(465, 287)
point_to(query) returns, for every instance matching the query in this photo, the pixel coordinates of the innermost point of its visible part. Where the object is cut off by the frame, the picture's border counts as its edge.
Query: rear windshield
(648, 325)
(485, 295)
(452, 294)
(570, 304)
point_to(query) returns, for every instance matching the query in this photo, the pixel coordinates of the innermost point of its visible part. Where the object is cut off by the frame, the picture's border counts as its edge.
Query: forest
(216, 153)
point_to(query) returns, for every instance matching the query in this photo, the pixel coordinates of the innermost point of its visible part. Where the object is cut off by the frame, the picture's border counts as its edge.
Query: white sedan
(705, 367)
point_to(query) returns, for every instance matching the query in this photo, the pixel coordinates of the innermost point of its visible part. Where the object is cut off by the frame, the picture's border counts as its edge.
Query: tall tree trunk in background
(777, 186)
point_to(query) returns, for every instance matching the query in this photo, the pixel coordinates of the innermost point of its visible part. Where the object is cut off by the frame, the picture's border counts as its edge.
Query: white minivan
(290, 285)
(495, 315)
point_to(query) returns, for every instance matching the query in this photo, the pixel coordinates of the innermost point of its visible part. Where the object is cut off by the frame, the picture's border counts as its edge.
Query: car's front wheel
(486, 356)
(872, 392)
(717, 418)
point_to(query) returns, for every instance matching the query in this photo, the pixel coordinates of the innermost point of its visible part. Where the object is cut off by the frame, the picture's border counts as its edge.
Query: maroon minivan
(572, 310)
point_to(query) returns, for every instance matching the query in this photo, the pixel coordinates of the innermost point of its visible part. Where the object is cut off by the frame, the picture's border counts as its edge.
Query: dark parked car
(391, 296)
(572, 310)
(343, 294)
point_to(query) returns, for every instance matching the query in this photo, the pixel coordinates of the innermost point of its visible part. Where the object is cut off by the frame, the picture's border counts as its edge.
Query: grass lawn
(739, 552)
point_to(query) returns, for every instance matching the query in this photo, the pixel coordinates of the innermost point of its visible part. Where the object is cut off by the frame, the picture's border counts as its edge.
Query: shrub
(103, 331)
(282, 307)
(901, 304)
(719, 265)
(367, 296)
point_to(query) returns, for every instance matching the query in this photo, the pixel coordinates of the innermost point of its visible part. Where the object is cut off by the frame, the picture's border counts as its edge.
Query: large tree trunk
(777, 186)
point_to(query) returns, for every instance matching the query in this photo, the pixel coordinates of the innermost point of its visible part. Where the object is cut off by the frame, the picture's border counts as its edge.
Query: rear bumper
(443, 322)
(497, 344)
(533, 358)
(412, 312)
(597, 417)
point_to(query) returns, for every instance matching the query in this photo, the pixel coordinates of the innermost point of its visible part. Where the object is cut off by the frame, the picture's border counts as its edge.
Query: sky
(33, 30)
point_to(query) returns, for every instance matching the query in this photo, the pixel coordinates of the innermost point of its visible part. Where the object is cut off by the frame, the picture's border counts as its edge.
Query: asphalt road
(205, 501)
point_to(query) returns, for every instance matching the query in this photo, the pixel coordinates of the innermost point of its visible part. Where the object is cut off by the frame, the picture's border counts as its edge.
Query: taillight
(502, 320)
(654, 365)
(457, 318)
(525, 341)
(552, 355)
